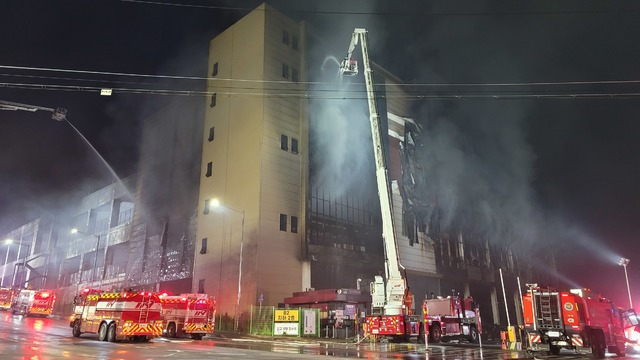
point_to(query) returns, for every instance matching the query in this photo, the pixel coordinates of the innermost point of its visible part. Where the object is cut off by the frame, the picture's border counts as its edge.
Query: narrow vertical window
(211, 133)
(283, 222)
(285, 37)
(214, 72)
(284, 142)
(203, 246)
(213, 101)
(201, 286)
(294, 42)
(294, 146)
(294, 224)
(209, 169)
(206, 207)
(294, 74)
(285, 71)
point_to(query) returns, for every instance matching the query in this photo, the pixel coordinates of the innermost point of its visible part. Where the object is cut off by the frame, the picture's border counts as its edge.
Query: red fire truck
(452, 318)
(117, 316)
(33, 302)
(6, 296)
(192, 314)
(578, 320)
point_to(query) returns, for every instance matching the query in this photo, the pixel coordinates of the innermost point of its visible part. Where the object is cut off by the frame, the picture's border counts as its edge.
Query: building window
(294, 42)
(206, 207)
(201, 286)
(203, 246)
(294, 146)
(213, 101)
(294, 74)
(284, 142)
(285, 37)
(283, 222)
(211, 133)
(209, 169)
(294, 224)
(214, 72)
(285, 71)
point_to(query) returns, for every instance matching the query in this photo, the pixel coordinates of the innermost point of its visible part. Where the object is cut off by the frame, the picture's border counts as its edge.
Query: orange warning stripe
(137, 329)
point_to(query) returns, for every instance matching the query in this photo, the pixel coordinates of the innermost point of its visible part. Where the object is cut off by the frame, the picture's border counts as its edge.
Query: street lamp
(7, 242)
(624, 262)
(216, 203)
(95, 260)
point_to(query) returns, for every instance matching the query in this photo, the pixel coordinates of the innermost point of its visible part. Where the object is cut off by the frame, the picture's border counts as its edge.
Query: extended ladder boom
(395, 286)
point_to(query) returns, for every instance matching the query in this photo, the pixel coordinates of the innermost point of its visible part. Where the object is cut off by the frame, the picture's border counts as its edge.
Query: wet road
(42, 339)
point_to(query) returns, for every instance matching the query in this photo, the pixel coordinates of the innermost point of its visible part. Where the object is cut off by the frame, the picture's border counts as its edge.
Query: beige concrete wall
(251, 173)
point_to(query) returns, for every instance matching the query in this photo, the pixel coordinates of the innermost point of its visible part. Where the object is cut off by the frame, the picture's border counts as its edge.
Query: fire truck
(390, 317)
(192, 314)
(6, 296)
(452, 317)
(33, 302)
(115, 316)
(578, 320)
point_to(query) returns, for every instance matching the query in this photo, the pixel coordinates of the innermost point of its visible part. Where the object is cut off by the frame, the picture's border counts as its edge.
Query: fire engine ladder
(143, 318)
(547, 314)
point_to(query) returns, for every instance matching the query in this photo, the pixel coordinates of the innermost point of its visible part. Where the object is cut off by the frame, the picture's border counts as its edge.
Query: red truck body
(576, 320)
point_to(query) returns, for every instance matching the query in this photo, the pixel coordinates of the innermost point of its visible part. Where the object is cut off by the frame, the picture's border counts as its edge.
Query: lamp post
(7, 242)
(15, 270)
(216, 203)
(95, 260)
(624, 262)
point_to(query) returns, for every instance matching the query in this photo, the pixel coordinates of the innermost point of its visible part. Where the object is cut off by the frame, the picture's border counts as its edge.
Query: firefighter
(408, 301)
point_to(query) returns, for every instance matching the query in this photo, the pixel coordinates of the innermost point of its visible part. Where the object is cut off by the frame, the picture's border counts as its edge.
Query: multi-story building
(272, 222)
(251, 227)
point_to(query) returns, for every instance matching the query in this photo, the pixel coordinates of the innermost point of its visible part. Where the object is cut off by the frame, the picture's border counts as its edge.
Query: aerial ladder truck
(389, 316)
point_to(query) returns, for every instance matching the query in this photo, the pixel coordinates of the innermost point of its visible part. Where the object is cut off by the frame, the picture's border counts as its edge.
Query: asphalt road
(48, 338)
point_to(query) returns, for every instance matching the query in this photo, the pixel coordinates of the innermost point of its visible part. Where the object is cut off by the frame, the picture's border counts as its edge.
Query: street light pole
(215, 202)
(6, 260)
(15, 266)
(624, 262)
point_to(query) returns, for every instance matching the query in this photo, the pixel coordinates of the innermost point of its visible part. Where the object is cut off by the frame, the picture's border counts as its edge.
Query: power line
(384, 13)
(200, 78)
(331, 95)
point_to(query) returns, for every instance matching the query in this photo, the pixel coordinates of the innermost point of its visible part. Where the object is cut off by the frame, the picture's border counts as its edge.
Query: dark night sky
(585, 153)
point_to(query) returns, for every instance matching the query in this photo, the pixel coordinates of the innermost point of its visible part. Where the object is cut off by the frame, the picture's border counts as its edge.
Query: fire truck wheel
(435, 334)
(111, 334)
(76, 329)
(102, 332)
(196, 336)
(171, 330)
(473, 335)
(554, 350)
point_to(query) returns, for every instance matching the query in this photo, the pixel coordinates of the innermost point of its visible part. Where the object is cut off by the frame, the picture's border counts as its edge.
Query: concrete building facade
(250, 236)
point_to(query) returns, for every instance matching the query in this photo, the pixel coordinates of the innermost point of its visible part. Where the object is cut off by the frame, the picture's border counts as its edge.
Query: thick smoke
(477, 172)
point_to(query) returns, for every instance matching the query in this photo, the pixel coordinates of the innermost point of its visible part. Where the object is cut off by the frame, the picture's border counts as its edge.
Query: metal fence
(261, 321)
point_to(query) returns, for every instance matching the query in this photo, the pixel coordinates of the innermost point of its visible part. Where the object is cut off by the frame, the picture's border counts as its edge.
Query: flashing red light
(125, 295)
(86, 290)
(44, 294)
(183, 299)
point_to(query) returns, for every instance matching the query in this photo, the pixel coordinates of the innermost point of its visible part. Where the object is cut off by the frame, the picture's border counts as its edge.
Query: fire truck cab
(33, 302)
(6, 296)
(192, 314)
(116, 316)
(577, 320)
(452, 317)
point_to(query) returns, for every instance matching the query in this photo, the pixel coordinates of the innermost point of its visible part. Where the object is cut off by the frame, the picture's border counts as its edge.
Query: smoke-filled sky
(539, 128)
